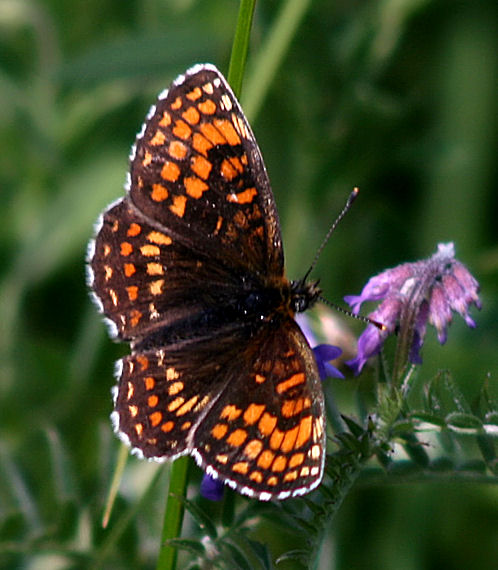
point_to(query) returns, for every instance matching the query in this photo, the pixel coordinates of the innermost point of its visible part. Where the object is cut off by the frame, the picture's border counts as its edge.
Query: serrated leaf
(192, 546)
(463, 422)
(238, 556)
(297, 554)
(353, 426)
(427, 418)
(202, 519)
(261, 552)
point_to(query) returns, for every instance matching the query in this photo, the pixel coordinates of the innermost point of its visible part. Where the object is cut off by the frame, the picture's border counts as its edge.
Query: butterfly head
(304, 295)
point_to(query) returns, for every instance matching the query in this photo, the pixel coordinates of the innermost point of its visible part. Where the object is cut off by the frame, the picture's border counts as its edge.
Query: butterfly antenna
(348, 204)
(361, 318)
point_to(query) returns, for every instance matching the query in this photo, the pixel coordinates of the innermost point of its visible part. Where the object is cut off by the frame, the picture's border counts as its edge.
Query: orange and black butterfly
(188, 268)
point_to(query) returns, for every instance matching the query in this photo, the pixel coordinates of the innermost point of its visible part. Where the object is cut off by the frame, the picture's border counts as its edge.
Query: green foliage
(394, 97)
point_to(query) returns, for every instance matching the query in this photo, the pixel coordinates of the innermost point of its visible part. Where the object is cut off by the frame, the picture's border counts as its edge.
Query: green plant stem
(173, 516)
(240, 45)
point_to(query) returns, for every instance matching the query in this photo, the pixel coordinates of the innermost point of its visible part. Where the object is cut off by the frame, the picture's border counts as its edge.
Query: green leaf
(192, 546)
(355, 428)
(203, 520)
(463, 423)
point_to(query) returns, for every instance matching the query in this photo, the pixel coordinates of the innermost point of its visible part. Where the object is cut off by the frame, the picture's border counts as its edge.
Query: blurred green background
(397, 97)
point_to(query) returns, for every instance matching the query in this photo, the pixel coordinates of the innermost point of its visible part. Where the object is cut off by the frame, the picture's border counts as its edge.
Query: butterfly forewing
(188, 267)
(198, 172)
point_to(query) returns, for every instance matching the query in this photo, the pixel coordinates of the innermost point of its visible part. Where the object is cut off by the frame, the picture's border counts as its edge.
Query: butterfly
(188, 267)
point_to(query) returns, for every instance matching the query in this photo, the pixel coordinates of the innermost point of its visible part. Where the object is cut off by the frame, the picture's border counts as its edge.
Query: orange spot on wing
(219, 431)
(294, 380)
(279, 464)
(156, 287)
(182, 130)
(147, 158)
(289, 441)
(195, 94)
(177, 150)
(276, 439)
(175, 404)
(237, 437)
(159, 238)
(158, 138)
(195, 187)
(189, 404)
(143, 361)
(228, 130)
(201, 166)
(201, 144)
(253, 448)
(291, 476)
(149, 383)
(178, 206)
(108, 272)
(212, 134)
(304, 434)
(134, 230)
(135, 317)
(155, 418)
(165, 120)
(191, 115)
(159, 193)
(171, 374)
(245, 197)
(296, 459)
(177, 103)
(267, 424)
(256, 476)
(230, 413)
(253, 413)
(175, 388)
(231, 167)
(265, 459)
(155, 269)
(207, 107)
(150, 250)
(126, 248)
(293, 407)
(167, 427)
(170, 171)
(132, 292)
(241, 467)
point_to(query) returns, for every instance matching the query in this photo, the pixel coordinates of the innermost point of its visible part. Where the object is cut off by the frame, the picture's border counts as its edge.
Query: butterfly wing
(199, 219)
(250, 413)
(183, 267)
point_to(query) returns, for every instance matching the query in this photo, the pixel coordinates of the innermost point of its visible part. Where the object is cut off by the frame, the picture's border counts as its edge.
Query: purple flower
(414, 294)
(211, 488)
(324, 353)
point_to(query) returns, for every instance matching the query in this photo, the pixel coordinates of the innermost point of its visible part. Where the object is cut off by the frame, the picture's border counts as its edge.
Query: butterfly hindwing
(253, 420)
